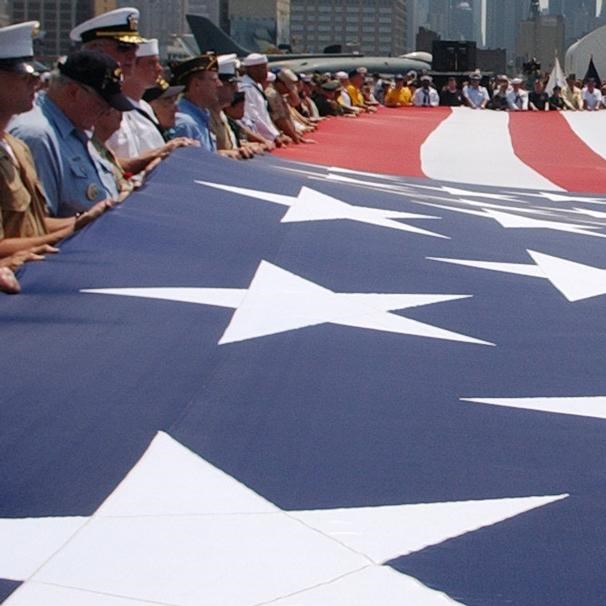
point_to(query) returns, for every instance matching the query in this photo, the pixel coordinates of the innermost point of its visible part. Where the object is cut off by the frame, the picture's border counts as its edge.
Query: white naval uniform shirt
(136, 134)
(255, 109)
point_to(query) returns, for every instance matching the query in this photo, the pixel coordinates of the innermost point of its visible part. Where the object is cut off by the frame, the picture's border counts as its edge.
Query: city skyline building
(57, 18)
(4, 13)
(581, 16)
(541, 37)
(502, 23)
(374, 27)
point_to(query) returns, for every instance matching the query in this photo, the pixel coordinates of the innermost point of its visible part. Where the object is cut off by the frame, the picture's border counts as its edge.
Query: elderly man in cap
(325, 98)
(73, 174)
(343, 97)
(227, 142)
(162, 98)
(476, 96)
(26, 230)
(279, 110)
(427, 95)
(256, 107)
(201, 81)
(114, 33)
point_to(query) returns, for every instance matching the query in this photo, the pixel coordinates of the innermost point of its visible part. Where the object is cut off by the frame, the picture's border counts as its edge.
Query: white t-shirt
(593, 98)
(136, 134)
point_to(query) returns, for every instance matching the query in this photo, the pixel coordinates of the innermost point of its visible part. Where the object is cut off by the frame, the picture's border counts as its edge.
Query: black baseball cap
(100, 72)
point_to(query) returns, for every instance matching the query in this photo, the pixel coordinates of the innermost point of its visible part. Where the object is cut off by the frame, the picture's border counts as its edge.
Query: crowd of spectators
(79, 140)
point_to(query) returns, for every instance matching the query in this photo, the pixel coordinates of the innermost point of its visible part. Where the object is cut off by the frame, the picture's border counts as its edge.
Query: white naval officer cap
(16, 47)
(228, 67)
(148, 48)
(120, 24)
(254, 59)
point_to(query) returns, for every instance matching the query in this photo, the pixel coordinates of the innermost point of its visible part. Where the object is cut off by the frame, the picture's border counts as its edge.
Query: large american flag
(278, 383)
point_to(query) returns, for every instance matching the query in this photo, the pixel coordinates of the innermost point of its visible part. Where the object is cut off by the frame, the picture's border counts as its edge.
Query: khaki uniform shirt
(278, 108)
(222, 131)
(572, 98)
(22, 203)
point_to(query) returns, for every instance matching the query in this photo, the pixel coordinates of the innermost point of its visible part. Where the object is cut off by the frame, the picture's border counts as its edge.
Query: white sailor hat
(516, 81)
(149, 48)
(254, 59)
(271, 77)
(120, 24)
(342, 75)
(16, 47)
(287, 76)
(227, 67)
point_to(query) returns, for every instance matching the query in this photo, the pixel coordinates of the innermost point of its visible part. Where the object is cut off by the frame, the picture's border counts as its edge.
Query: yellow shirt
(357, 99)
(398, 97)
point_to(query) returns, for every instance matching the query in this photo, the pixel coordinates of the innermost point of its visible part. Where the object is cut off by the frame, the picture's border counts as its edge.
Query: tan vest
(22, 203)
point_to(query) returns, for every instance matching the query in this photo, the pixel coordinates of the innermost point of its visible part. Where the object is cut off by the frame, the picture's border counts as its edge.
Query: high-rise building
(569, 7)
(439, 17)
(57, 18)
(4, 13)
(541, 38)
(416, 18)
(461, 21)
(580, 16)
(375, 27)
(502, 23)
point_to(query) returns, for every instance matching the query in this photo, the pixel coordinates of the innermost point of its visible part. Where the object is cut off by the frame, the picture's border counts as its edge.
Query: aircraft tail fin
(210, 38)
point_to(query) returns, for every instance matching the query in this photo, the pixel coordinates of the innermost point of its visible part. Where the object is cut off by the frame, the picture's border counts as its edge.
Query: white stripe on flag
(589, 127)
(475, 147)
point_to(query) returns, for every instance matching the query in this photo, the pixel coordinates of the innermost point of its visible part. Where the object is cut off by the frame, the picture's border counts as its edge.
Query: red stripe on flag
(545, 142)
(387, 142)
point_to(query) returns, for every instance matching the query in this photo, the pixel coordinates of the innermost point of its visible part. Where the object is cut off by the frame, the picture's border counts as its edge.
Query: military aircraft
(209, 37)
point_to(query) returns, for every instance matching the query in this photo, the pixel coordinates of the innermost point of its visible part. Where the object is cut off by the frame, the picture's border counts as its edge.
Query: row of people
(501, 93)
(110, 112)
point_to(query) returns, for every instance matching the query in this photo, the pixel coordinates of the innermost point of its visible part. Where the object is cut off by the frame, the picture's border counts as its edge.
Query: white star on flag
(553, 197)
(279, 301)
(457, 192)
(588, 406)
(511, 221)
(575, 281)
(179, 531)
(312, 205)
